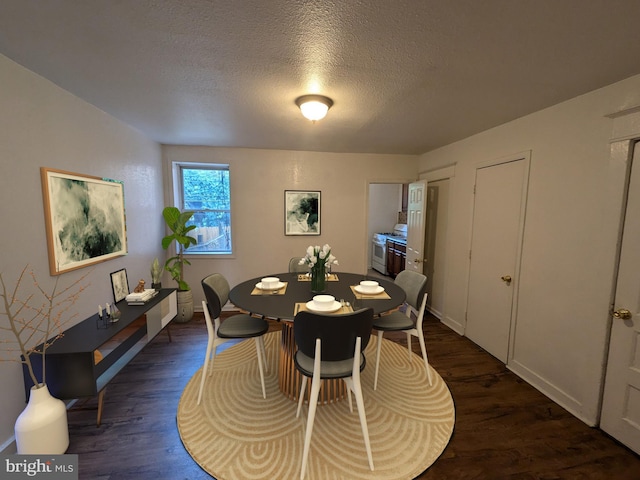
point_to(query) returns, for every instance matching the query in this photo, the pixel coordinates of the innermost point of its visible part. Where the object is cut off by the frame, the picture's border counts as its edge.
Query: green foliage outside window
(206, 192)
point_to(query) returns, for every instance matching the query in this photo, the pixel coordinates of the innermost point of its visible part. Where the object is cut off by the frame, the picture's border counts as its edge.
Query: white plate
(378, 290)
(278, 286)
(333, 308)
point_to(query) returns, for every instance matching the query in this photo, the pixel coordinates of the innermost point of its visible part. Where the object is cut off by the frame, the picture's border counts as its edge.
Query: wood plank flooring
(505, 429)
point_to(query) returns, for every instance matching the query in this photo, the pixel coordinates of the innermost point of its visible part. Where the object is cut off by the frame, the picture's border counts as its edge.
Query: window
(204, 189)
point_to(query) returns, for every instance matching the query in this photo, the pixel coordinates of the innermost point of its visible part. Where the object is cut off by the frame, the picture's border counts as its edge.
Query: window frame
(178, 193)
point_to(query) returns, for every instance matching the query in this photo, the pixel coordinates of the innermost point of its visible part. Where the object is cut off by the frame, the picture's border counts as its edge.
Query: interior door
(416, 207)
(621, 400)
(494, 250)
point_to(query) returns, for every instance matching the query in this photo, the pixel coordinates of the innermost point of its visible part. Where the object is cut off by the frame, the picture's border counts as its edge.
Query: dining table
(292, 293)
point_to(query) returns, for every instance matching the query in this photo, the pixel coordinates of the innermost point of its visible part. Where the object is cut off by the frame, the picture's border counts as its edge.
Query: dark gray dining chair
(414, 285)
(330, 347)
(241, 326)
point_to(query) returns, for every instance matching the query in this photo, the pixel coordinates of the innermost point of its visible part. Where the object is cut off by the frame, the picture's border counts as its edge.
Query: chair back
(337, 333)
(414, 285)
(216, 291)
(295, 267)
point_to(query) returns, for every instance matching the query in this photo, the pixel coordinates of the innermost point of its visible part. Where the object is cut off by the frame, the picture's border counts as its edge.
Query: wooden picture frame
(84, 218)
(302, 212)
(119, 285)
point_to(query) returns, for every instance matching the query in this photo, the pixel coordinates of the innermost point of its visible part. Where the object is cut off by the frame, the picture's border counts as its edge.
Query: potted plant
(35, 319)
(177, 223)
(156, 272)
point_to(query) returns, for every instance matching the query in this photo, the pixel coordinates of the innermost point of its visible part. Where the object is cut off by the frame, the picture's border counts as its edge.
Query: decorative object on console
(319, 261)
(177, 223)
(156, 272)
(119, 284)
(302, 212)
(140, 298)
(36, 324)
(140, 287)
(84, 217)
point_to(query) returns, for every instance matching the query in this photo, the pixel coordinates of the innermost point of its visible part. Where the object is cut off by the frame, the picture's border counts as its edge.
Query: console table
(75, 370)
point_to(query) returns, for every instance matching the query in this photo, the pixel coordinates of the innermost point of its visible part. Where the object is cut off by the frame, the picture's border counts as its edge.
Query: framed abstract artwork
(302, 212)
(84, 219)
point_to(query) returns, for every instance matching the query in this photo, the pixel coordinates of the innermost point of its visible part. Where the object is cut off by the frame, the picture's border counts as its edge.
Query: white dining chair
(241, 326)
(331, 347)
(414, 285)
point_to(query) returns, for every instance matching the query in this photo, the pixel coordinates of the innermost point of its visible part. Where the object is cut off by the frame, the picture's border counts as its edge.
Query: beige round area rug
(235, 434)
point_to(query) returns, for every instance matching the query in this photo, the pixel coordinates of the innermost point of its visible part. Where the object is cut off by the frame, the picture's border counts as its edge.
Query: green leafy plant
(177, 223)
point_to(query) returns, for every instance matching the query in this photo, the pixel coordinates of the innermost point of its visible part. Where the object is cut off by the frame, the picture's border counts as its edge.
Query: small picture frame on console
(120, 285)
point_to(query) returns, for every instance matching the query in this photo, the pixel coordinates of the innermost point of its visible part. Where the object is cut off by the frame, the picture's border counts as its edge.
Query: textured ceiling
(406, 76)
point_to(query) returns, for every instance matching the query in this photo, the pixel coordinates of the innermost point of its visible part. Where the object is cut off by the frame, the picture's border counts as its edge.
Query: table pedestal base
(290, 378)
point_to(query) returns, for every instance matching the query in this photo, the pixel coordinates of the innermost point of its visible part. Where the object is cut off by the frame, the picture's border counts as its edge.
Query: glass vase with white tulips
(319, 259)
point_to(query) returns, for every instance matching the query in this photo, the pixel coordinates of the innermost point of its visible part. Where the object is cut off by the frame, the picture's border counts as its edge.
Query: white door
(417, 200)
(497, 227)
(621, 401)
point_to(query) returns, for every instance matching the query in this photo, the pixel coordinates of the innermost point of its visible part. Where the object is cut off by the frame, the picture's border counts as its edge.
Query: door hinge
(474, 189)
(469, 254)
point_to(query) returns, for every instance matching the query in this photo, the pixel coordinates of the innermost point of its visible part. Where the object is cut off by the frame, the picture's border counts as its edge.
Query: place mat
(303, 306)
(303, 277)
(368, 296)
(259, 291)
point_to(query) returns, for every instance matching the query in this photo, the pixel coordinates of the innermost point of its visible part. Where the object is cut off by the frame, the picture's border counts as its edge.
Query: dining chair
(331, 347)
(241, 326)
(295, 267)
(414, 285)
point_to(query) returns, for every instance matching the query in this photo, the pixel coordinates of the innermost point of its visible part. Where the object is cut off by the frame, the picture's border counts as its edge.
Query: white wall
(45, 126)
(569, 243)
(258, 181)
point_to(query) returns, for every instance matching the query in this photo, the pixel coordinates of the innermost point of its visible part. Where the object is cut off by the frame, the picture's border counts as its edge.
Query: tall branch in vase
(34, 319)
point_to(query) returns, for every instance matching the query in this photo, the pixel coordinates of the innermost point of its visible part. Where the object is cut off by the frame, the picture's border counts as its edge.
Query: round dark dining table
(283, 304)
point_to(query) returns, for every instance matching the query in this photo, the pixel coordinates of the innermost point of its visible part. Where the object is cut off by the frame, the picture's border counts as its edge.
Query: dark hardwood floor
(505, 429)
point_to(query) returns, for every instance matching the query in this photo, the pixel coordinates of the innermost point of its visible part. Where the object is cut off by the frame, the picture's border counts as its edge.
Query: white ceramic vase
(42, 426)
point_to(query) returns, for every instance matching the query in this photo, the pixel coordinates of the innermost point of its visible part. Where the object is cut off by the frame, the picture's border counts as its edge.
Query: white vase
(42, 426)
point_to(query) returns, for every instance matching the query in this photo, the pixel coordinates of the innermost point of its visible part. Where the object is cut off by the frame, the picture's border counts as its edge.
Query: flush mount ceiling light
(314, 107)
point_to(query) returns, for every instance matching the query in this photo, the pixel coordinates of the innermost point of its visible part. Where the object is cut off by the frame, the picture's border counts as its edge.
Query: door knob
(622, 314)
(417, 260)
(506, 279)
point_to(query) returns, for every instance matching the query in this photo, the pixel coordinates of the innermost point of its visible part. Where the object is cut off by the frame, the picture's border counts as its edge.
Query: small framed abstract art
(119, 284)
(84, 218)
(302, 212)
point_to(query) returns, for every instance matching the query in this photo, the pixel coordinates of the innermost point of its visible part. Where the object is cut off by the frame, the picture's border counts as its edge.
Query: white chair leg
(259, 354)
(204, 371)
(316, 381)
(424, 356)
(408, 332)
(264, 354)
(303, 389)
(378, 347)
(353, 383)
